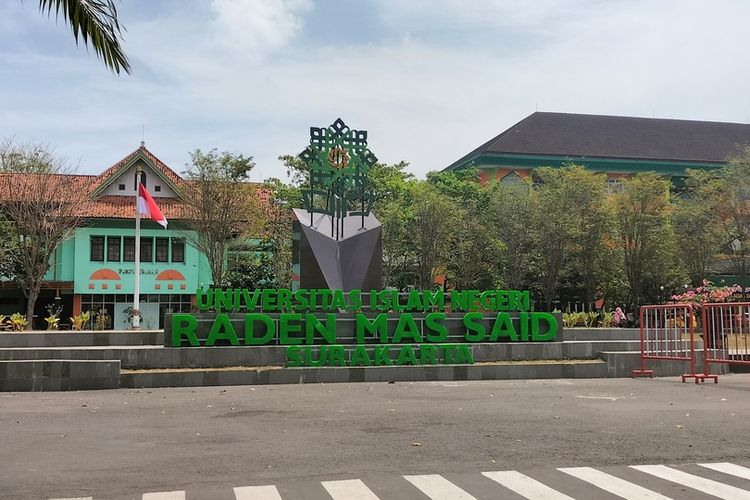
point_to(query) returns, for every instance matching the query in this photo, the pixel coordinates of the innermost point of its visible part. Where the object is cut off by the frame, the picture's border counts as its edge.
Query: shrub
(79, 320)
(18, 322)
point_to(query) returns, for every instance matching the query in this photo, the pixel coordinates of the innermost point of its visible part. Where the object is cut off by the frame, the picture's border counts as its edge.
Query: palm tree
(94, 21)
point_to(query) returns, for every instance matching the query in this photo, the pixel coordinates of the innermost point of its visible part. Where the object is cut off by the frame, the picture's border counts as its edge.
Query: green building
(94, 269)
(617, 145)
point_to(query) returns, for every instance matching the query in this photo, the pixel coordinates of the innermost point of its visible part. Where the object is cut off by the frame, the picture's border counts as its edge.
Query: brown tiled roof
(156, 162)
(113, 206)
(16, 186)
(123, 207)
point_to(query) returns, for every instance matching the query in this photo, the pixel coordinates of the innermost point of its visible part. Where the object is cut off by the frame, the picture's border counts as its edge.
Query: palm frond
(95, 22)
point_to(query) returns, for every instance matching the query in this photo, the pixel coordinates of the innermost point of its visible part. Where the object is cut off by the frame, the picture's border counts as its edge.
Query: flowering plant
(707, 293)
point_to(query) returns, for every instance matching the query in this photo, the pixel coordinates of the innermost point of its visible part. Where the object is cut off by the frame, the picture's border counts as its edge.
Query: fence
(667, 334)
(726, 334)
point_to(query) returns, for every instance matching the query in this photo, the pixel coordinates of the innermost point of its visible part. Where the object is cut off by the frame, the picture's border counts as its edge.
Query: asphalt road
(123, 443)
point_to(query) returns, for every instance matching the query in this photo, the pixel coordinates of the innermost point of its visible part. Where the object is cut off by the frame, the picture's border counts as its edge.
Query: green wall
(195, 269)
(612, 165)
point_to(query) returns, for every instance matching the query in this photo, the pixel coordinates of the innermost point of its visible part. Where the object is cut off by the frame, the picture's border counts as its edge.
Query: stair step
(502, 370)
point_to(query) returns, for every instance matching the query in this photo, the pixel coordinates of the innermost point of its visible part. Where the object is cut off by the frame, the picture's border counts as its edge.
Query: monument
(340, 239)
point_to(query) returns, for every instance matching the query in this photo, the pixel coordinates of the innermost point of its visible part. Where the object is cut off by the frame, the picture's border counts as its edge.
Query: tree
(556, 226)
(434, 217)
(43, 204)
(512, 209)
(584, 211)
(223, 208)
(646, 238)
(96, 23)
(296, 169)
(462, 186)
(391, 187)
(389, 182)
(732, 194)
(474, 255)
(251, 271)
(8, 249)
(26, 157)
(697, 216)
(278, 228)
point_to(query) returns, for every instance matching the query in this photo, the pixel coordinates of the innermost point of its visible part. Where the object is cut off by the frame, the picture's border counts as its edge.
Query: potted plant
(78, 321)
(53, 318)
(18, 322)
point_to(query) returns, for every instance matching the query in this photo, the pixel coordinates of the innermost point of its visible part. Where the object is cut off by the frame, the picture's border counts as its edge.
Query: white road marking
(267, 492)
(727, 468)
(612, 484)
(73, 498)
(701, 484)
(350, 489)
(437, 487)
(165, 495)
(525, 486)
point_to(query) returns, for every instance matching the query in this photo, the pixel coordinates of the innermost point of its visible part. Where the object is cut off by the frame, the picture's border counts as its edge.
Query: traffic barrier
(667, 334)
(726, 334)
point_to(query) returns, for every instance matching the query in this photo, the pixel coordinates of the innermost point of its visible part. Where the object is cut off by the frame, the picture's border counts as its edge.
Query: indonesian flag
(147, 206)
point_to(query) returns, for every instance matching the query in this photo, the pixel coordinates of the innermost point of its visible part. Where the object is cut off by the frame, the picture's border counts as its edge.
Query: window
(512, 178)
(614, 185)
(157, 189)
(178, 250)
(147, 249)
(113, 248)
(162, 249)
(121, 187)
(166, 304)
(128, 249)
(143, 180)
(97, 248)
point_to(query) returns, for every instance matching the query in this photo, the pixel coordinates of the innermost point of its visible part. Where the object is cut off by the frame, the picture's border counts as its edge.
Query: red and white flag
(147, 206)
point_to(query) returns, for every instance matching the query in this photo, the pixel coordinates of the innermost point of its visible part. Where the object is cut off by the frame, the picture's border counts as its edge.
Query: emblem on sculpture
(338, 161)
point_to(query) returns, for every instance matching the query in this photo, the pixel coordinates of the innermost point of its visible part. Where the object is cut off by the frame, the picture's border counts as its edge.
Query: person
(619, 317)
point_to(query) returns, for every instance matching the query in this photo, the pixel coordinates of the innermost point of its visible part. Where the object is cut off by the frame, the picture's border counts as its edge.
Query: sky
(429, 80)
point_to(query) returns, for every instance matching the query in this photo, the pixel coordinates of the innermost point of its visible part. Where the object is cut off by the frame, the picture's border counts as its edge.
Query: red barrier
(667, 334)
(726, 334)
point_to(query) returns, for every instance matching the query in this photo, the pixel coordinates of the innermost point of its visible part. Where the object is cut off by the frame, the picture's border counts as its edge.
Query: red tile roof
(114, 206)
(141, 151)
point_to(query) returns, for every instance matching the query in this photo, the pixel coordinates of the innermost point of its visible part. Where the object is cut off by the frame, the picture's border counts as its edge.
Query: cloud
(442, 77)
(251, 25)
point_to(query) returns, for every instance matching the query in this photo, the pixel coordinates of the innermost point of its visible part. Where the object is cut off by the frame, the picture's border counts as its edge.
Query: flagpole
(137, 270)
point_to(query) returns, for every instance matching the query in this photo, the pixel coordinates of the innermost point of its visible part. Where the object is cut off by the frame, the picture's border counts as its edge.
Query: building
(617, 145)
(93, 270)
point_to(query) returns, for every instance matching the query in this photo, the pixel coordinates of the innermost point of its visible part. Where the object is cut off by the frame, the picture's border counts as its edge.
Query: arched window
(143, 180)
(511, 178)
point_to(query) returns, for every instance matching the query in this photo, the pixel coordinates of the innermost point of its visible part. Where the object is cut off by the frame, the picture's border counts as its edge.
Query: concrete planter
(68, 338)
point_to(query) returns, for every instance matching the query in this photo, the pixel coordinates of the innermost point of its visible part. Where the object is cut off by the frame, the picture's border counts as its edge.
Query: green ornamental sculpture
(338, 162)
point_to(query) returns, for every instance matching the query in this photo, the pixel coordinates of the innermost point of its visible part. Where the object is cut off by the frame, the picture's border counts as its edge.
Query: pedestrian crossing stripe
(437, 487)
(268, 492)
(352, 489)
(731, 469)
(707, 486)
(612, 484)
(165, 495)
(525, 486)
